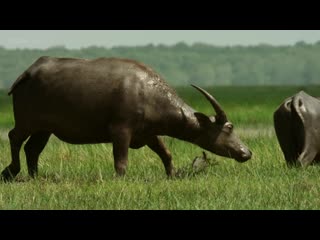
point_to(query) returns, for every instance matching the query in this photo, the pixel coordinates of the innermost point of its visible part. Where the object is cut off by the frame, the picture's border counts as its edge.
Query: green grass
(82, 176)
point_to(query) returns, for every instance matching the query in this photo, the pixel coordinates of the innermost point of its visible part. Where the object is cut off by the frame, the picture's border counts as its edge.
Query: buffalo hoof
(33, 174)
(171, 173)
(120, 171)
(6, 175)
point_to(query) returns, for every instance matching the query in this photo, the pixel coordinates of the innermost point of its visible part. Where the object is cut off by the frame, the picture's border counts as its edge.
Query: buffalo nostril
(246, 154)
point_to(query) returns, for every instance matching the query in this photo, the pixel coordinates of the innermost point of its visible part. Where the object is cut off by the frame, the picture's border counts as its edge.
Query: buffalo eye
(229, 127)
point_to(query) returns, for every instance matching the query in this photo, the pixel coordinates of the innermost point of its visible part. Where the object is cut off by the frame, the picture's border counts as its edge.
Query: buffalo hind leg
(157, 145)
(121, 142)
(307, 156)
(33, 148)
(16, 138)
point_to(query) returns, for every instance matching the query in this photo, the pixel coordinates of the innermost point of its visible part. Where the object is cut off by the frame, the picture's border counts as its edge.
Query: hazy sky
(109, 38)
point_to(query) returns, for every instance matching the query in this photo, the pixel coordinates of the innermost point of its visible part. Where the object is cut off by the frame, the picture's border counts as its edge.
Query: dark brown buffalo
(297, 126)
(109, 100)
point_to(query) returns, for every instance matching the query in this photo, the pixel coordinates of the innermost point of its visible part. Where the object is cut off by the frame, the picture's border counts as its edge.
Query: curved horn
(221, 115)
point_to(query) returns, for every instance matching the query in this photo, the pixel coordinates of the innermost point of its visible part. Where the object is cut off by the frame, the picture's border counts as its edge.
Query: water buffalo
(105, 100)
(297, 126)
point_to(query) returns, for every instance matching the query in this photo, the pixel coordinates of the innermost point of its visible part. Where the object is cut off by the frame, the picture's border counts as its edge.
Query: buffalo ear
(203, 119)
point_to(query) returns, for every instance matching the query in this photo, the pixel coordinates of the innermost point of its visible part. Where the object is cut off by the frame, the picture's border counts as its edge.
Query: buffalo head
(217, 135)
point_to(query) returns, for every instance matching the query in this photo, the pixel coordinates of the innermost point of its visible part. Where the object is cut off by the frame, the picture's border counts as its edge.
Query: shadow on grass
(16, 180)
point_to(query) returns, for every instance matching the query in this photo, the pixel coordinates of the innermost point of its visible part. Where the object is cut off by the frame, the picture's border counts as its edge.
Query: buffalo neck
(184, 125)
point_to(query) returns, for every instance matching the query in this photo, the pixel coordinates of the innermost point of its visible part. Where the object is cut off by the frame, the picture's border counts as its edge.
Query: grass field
(82, 176)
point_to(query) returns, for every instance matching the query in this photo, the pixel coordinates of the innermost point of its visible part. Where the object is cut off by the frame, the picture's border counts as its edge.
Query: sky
(75, 39)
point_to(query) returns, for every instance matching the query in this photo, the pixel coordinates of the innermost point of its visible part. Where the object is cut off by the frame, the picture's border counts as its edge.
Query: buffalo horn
(221, 115)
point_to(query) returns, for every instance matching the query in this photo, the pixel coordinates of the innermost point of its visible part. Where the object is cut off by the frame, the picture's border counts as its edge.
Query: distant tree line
(199, 63)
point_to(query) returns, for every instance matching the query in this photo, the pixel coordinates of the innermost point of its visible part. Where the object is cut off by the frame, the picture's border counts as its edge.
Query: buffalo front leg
(33, 148)
(16, 139)
(121, 143)
(157, 145)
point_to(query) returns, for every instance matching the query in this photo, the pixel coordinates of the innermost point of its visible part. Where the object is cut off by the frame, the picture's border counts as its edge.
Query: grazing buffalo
(297, 126)
(107, 100)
